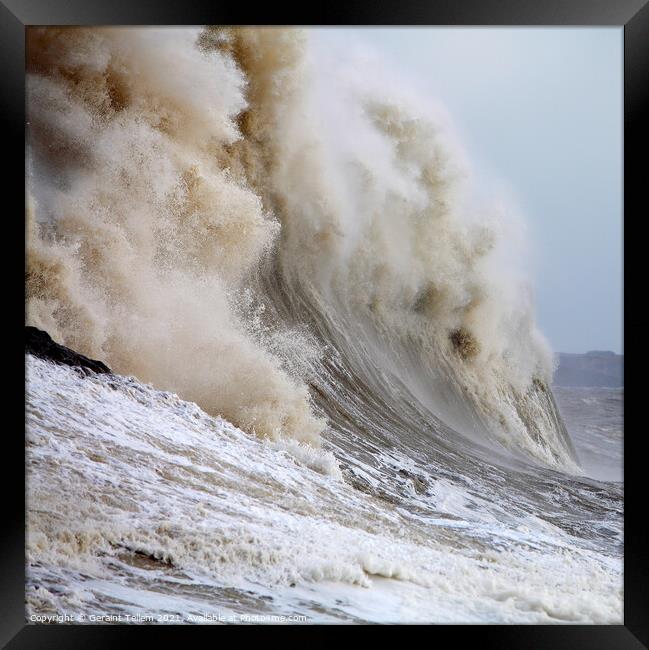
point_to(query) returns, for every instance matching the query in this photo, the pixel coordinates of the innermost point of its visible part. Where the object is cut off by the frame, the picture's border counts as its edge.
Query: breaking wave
(236, 216)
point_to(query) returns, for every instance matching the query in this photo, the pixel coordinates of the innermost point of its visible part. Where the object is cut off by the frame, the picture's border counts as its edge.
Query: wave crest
(161, 202)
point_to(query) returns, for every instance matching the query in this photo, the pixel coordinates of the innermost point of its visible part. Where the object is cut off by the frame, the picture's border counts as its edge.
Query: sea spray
(257, 225)
(139, 241)
(220, 211)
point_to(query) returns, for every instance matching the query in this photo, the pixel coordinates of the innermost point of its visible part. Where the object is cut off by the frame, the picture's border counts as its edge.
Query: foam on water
(349, 414)
(141, 502)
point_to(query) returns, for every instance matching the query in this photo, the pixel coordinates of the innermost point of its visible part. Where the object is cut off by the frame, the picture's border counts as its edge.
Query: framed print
(324, 320)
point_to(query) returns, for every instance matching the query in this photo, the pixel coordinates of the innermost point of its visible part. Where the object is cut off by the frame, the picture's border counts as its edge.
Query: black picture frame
(631, 15)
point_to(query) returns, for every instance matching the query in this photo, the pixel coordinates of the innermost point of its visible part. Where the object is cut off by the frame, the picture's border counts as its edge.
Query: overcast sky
(541, 109)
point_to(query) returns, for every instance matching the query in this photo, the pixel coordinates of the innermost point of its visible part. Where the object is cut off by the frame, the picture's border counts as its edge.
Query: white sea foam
(349, 414)
(141, 502)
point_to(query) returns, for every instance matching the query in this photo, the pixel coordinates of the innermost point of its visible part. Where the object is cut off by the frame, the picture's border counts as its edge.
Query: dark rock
(40, 344)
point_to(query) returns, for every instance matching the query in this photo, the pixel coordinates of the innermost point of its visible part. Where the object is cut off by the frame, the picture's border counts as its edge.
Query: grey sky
(541, 109)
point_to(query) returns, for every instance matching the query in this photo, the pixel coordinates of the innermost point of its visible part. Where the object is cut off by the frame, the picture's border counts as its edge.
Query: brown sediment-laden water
(330, 398)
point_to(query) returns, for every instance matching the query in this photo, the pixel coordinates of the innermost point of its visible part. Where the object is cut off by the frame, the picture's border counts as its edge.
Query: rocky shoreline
(40, 344)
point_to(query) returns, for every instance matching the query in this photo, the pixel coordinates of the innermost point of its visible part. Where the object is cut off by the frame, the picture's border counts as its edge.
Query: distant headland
(595, 368)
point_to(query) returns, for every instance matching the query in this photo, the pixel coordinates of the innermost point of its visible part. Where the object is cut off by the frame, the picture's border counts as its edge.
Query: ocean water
(331, 398)
(595, 419)
(142, 506)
